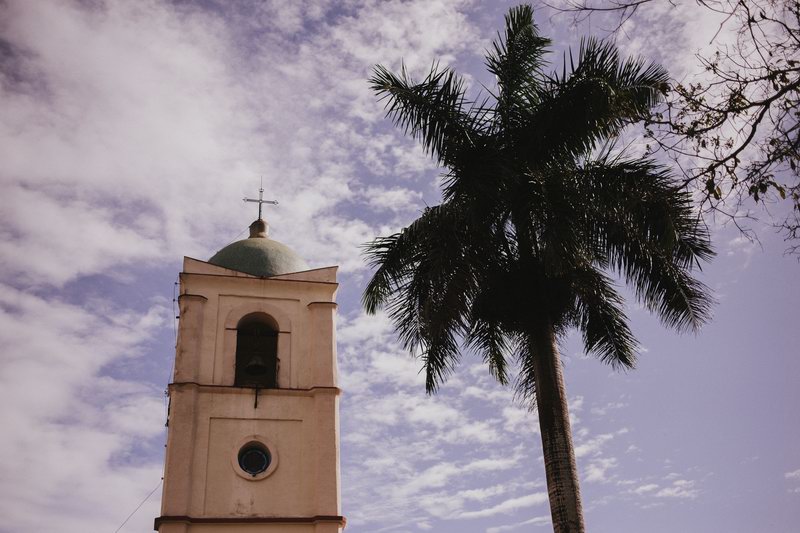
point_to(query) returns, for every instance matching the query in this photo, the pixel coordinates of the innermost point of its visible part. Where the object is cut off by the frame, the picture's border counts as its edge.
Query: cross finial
(261, 200)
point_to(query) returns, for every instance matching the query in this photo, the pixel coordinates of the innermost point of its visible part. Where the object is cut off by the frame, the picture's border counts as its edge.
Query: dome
(259, 255)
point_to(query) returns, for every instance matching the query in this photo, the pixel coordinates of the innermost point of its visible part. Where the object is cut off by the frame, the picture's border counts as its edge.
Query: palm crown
(536, 215)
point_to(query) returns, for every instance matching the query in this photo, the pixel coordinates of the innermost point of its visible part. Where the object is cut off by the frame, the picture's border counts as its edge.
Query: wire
(174, 310)
(139, 506)
(240, 234)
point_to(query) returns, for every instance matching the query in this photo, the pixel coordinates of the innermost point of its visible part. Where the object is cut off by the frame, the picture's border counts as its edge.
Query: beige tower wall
(210, 419)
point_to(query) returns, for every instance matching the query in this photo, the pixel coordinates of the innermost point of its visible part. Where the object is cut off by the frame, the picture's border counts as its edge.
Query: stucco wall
(210, 419)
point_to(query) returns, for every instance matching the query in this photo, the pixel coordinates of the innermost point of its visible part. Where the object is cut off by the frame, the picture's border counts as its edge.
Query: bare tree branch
(736, 134)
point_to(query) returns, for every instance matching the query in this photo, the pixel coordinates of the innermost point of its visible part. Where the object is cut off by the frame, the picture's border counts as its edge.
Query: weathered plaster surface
(210, 418)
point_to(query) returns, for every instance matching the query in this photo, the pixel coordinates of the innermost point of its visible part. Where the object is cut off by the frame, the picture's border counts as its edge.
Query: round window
(254, 458)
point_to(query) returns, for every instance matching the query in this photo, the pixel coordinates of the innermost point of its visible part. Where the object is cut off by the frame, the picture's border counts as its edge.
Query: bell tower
(253, 438)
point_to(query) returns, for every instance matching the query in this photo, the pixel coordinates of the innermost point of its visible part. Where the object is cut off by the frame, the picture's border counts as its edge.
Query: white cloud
(441, 473)
(482, 494)
(508, 506)
(681, 488)
(153, 111)
(605, 409)
(427, 410)
(595, 471)
(65, 237)
(592, 446)
(80, 427)
(536, 521)
(479, 431)
(99, 89)
(394, 199)
(492, 464)
(644, 489)
(520, 419)
(576, 404)
(795, 474)
(363, 328)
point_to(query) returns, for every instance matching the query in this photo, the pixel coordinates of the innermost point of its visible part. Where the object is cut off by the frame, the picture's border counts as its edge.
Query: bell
(255, 366)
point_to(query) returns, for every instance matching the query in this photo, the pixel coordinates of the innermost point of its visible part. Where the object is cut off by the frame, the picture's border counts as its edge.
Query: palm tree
(538, 216)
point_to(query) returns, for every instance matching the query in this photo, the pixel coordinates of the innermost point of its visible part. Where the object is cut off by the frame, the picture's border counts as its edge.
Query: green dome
(259, 255)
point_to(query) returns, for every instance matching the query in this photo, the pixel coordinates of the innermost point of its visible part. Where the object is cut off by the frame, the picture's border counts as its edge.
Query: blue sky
(130, 131)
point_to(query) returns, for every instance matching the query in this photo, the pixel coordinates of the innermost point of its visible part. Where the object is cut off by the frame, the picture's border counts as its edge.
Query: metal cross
(261, 201)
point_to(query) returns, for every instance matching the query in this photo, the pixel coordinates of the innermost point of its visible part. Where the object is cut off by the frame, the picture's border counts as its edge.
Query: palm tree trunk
(559, 457)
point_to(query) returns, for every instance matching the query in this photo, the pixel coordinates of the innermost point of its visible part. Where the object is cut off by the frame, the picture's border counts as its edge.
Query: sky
(129, 134)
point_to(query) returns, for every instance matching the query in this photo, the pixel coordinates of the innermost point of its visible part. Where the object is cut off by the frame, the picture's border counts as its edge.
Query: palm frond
(679, 300)
(435, 111)
(395, 257)
(516, 59)
(640, 199)
(489, 339)
(425, 279)
(636, 84)
(592, 101)
(525, 384)
(600, 317)
(392, 256)
(643, 226)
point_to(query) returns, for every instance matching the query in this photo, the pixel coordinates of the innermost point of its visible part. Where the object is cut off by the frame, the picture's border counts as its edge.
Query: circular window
(254, 458)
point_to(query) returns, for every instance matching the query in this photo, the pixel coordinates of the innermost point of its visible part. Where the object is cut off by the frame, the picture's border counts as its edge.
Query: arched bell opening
(257, 352)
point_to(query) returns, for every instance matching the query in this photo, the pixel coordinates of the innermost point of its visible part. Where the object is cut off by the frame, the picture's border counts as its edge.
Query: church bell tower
(253, 438)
